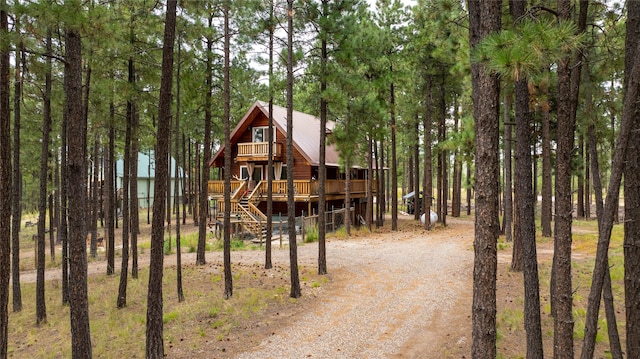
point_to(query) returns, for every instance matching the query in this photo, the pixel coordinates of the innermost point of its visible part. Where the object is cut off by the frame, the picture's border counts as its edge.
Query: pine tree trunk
(347, 192)
(52, 238)
(111, 203)
(228, 278)
(5, 182)
(394, 160)
(629, 120)
(41, 310)
(185, 184)
(485, 18)
(469, 188)
(271, 139)
(322, 169)
(79, 306)
(196, 186)
(524, 197)
(154, 330)
(580, 187)
(457, 169)
(508, 186)
(126, 187)
(587, 185)
(443, 173)
(547, 192)
(417, 198)
(369, 209)
(93, 224)
(64, 206)
(427, 179)
(176, 176)
(291, 214)
(206, 155)
(134, 214)
(632, 201)
(16, 208)
(568, 85)
(614, 338)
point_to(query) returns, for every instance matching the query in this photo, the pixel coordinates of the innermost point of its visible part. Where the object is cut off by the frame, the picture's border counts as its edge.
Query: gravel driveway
(405, 296)
(397, 295)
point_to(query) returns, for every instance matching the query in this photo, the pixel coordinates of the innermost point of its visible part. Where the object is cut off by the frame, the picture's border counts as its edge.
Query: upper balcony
(258, 151)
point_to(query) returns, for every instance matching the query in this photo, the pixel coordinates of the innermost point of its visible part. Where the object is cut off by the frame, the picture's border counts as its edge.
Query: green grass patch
(168, 317)
(311, 234)
(117, 333)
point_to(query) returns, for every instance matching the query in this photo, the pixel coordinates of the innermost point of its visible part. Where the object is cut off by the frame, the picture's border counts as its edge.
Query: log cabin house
(249, 153)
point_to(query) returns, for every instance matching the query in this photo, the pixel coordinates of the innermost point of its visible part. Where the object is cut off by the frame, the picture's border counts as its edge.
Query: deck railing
(300, 187)
(218, 186)
(258, 149)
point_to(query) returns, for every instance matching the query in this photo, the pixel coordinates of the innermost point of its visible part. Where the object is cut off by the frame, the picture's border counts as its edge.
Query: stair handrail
(246, 212)
(257, 212)
(239, 190)
(258, 190)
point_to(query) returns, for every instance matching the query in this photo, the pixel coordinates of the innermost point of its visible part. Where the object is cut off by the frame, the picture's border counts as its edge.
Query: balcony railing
(258, 149)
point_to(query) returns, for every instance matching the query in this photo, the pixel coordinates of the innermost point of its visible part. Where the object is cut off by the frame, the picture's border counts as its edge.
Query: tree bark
(547, 192)
(5, 181)
(110, 204)
(443, 162)
(580, 188)
(270, 138)
(369, 214)
(484, 19)
(322, 169)
(291, 214)
(524, 196)
(134, 214)
(394, 159)
(206, 156)
(16, 208)
(562, 298)
(347, 191)
(632, 201)
(41, 308)
(417, 198)
(176, 176)
(457, 169)
(508, 187)
(228, 278)
(427, 179)
(93, 224)
(614, 338)
(64, 205)
(126, 186)
(154, 330)
(78, 299)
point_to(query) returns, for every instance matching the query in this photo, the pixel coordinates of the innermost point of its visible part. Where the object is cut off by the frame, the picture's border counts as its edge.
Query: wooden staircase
(248, 214)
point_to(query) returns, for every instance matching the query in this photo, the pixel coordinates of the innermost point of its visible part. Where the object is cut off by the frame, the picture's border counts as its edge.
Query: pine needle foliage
(527, 49)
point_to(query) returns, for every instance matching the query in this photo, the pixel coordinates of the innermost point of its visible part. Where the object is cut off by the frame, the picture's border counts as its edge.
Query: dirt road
(403, 295)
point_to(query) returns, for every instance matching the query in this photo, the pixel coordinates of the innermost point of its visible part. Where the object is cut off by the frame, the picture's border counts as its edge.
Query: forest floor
(404, 294)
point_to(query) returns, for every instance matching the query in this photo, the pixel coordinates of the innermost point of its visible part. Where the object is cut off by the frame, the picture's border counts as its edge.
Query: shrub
(311, 234)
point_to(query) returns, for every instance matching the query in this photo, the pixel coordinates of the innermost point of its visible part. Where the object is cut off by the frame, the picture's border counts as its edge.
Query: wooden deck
(303, 190)
(245, 200)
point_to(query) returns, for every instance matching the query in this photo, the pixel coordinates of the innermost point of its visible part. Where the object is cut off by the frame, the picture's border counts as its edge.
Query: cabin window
(260, 134)
(257, 173)
(283, 173)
